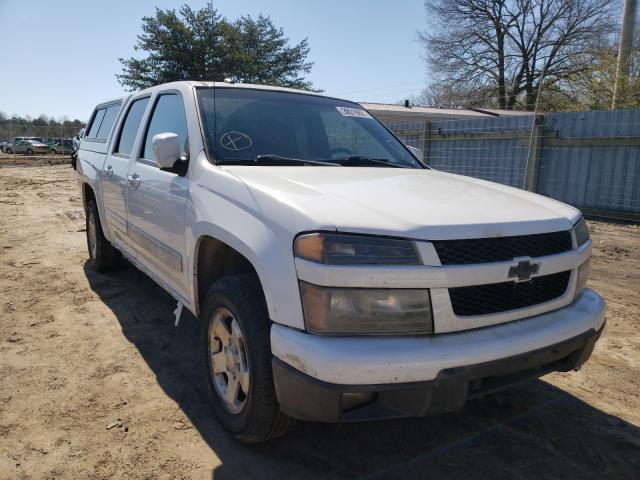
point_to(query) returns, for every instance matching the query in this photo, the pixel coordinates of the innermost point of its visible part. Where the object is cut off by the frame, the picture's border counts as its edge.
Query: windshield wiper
(271, 159)
(361, 160)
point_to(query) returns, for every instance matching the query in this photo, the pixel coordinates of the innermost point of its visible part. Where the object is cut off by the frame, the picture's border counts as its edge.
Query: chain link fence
(57, 140)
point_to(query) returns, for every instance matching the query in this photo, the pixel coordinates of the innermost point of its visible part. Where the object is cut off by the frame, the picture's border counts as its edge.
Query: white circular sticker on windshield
(235, 141)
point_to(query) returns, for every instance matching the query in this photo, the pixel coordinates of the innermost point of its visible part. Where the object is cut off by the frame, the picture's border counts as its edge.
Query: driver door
(156, 199)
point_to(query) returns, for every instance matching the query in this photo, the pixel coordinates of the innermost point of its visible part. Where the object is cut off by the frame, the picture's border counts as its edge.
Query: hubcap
(92, 236)
(228, 360)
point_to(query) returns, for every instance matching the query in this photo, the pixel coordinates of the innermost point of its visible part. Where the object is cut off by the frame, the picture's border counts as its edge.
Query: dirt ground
(95, 382)
(31, 160)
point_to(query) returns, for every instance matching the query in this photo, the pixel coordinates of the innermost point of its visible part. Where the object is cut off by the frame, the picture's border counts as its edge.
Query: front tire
(102, 255)
(236, 356)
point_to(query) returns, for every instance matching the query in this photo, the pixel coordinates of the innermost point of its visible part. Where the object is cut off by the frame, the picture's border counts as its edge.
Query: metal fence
(588, 159)
(55, 135)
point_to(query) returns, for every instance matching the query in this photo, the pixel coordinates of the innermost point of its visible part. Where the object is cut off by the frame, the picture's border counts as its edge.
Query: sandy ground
(81, 352)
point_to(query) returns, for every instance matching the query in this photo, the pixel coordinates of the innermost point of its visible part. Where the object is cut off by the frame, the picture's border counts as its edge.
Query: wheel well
(216, 259)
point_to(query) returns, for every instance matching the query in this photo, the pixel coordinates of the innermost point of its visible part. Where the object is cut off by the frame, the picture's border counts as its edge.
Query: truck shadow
(533, 431)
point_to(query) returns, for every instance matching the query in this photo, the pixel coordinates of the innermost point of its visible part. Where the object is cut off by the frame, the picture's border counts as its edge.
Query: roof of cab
(114, 100)
(253, 86)
(192, 83)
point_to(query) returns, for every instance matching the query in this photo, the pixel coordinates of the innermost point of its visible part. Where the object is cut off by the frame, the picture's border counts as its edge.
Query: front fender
(214, 214)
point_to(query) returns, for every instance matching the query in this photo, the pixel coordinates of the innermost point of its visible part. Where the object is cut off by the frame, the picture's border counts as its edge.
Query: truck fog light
(583, 276)
(333, 310)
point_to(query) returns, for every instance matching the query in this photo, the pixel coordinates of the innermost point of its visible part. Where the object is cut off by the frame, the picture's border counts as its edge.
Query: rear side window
(103, 121)
(130, 126)
(108, 121)
(95, 125)
(168, 116)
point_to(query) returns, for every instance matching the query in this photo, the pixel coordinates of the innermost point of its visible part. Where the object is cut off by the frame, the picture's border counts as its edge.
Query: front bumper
(324, 378)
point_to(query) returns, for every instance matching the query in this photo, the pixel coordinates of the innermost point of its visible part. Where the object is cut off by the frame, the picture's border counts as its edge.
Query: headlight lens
(583, 276)
(581, 231)
(340, 249)
(331, 310)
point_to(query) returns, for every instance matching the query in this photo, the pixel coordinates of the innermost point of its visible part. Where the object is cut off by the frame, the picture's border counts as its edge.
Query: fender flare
(265, 253)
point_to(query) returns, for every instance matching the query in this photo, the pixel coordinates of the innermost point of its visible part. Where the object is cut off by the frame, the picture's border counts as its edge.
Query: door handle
(134, 180)
(108, 171)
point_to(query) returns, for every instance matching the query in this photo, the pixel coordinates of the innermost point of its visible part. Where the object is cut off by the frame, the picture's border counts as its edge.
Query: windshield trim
(205, 137)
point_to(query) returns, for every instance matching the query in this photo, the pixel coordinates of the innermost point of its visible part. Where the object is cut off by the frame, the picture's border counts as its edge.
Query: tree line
(42, 126)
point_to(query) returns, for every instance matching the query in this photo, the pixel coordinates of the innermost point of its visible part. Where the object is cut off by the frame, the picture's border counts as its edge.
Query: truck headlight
(581, 231)
(344, 311)
(348, 249)
(583, 276)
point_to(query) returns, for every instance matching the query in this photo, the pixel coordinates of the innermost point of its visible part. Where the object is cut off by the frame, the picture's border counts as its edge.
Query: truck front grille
(502, 297)
(486, 250)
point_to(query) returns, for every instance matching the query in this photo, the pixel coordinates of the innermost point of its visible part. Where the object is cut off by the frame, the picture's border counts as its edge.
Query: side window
(102, 122)
(168, 116)
(107, 122)
(95, 124)
(130, 126)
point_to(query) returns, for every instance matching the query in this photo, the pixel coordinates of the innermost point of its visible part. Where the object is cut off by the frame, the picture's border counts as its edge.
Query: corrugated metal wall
(588, 159)
(599, 177)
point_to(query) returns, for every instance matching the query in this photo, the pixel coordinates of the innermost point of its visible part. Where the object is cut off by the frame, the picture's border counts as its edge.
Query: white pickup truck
(335, 276)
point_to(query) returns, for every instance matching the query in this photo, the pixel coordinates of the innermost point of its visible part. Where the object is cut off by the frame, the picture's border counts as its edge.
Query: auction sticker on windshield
(353, 112)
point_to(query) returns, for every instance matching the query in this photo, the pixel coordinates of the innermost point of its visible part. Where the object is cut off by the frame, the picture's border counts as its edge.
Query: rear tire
(29, 151)
(102, 255)
(8, 151)
(253, 416)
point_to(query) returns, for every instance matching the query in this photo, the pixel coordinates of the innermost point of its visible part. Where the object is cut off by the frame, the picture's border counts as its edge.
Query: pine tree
(203, 45)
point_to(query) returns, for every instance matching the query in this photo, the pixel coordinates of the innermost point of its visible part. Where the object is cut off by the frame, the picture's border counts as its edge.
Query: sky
(60, 57)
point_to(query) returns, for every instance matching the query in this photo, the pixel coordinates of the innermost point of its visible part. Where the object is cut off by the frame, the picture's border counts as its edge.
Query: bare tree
(593, 88)
(444, 95)
(505, 48)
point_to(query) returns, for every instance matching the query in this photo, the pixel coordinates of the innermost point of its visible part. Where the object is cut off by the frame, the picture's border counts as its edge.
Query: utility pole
(624, 52)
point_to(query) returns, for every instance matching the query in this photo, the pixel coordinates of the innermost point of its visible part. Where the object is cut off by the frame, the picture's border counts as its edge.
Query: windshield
(268, 127)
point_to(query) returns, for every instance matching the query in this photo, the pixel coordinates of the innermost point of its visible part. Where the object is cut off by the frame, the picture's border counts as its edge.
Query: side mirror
(416, 152)
(166, 149)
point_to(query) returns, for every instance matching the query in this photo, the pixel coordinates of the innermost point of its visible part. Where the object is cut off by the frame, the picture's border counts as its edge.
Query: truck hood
(419, 204)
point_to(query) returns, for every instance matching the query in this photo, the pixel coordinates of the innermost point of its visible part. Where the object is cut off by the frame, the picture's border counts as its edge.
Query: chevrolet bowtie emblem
(523, 269)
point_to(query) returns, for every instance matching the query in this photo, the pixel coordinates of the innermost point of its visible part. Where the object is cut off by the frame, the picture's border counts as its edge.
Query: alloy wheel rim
(228, 361)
